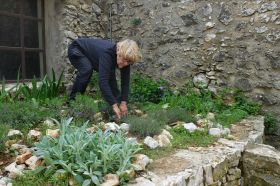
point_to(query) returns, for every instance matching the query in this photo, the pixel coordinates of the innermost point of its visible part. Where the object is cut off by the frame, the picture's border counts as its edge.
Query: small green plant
(270, 123)
(145, 89)
(31, 179)
(136, 21)
(84, 156)
(48, 88)
(11, 93)
(146, 126)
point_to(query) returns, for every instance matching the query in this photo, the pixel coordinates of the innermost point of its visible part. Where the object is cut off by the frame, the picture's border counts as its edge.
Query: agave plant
(87, 157)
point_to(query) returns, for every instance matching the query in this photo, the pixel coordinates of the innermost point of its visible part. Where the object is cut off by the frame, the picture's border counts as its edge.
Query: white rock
(19, 147)
(150, 142)
(208, 174)
(162, 140)
(13, 132)
(112, 126)
(209, 25)
(53, 133)
(210, 116)
(140, 181)
(200, 80)
(247, 11)
(268, 7)
(179, 179)
(261, 29)
(124, 127)
(197, 178)
(49, 123)
(190, 127)
(141, 161)
(14, 169)
(34, 134)
(5, 181)
(210, 37)
(22, 158)
(110, 180)
(166, 133)
(215, 132)
(33, 162)
(134, 140)
(226, 131)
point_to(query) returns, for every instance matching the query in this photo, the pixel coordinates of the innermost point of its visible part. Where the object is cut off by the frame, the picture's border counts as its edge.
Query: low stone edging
(243, 161)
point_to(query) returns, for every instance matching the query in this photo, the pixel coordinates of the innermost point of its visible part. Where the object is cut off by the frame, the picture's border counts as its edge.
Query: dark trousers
(85, 69)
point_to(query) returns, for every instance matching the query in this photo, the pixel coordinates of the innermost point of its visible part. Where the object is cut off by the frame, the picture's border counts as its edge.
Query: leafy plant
(87, 157)
(48, 88)
(145, 126)
(144, 89)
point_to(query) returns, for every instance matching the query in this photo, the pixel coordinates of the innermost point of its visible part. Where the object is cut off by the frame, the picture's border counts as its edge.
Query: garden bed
(161, 123)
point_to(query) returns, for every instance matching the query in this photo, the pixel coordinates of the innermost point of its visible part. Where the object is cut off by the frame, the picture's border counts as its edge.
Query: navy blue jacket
(103, 56)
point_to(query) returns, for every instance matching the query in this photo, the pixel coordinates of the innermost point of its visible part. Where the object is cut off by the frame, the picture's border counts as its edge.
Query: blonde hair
(129, 50)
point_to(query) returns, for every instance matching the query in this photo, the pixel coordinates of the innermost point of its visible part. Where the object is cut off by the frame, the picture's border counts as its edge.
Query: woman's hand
(123, 107)
(117, 111)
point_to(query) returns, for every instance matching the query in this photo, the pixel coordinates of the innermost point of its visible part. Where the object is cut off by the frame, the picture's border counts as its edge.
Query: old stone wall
(220, 43)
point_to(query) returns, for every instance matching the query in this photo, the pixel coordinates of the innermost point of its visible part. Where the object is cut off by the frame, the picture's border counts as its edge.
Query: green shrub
(144, 89)
(87, 157)
(270, 123)
(145, 126)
